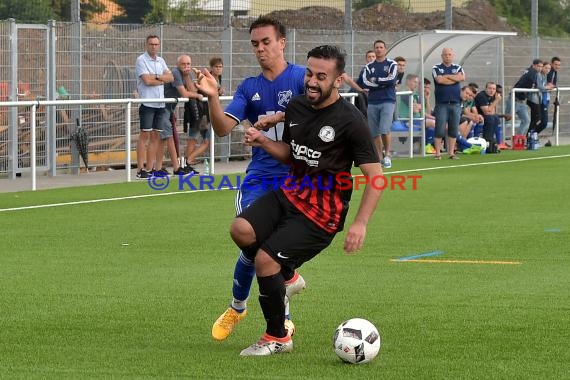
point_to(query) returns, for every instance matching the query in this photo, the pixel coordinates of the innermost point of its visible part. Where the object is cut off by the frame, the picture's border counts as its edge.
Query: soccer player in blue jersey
(261, 100)
(380, 78)
(447, 77)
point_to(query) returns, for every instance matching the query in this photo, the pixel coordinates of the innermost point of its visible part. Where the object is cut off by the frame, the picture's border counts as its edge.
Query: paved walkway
(43, 181)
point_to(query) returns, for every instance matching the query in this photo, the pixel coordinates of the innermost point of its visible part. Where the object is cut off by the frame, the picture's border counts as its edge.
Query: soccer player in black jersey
(324, 135)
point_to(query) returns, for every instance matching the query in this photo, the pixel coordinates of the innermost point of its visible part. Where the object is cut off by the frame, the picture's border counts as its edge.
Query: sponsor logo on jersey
(255, 97)
(304, 153)
(327, 133)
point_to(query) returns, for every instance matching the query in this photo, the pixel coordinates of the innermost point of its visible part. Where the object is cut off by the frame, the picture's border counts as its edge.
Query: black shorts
(284, 232)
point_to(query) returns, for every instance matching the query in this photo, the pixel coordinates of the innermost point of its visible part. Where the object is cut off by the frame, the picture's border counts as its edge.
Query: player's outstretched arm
(222, 124)
(269, 121)
(357, 230)
(278, 149)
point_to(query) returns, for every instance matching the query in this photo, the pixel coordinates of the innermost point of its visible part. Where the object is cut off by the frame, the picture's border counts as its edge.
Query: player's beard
(316, 95)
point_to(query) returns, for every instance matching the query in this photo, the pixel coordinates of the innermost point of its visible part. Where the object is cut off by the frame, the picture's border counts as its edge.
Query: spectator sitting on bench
(486, 102)
(469, 117)
(429, 117)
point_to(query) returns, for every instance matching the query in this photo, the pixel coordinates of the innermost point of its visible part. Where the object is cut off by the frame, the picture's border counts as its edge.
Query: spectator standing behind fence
(447, 77)
(217, 69)
(179, 88)
(152, 73)
(552, 78)
(533, 98)
(361, 101)
(545, 86)
(527, 81)
(261, 100)
(379, 77)
(193, 150)
(370, 56)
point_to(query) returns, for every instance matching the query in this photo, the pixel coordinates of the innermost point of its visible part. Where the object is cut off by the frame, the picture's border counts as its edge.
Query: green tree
(20, 10)
(553, 15)
(158, 13)
(135, 11)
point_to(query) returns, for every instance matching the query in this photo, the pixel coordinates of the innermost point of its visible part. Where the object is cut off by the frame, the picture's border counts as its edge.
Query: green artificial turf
(130, 288)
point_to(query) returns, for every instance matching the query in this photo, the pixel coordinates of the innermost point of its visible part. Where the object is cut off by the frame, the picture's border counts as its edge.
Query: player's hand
(205, 82)
(269, 121)
(253, 137)
(354, 238)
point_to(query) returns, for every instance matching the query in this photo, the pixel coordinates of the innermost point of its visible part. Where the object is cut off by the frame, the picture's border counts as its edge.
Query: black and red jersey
(325, 143)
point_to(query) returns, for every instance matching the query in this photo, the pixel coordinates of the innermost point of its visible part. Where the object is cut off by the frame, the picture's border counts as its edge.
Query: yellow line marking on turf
(459, 261)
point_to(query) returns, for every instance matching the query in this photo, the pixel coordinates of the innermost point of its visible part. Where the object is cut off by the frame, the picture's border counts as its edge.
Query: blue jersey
(380, 79)
(257, 97)
(447, 93)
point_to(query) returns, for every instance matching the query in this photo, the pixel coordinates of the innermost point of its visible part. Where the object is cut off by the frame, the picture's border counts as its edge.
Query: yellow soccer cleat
(226, 323)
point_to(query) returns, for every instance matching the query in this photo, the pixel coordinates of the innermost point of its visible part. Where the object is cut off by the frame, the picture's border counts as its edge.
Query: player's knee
(265, 265)
(242, 232)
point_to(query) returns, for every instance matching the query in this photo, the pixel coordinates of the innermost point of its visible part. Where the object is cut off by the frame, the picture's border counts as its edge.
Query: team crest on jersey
(326, 133)
(284, 97)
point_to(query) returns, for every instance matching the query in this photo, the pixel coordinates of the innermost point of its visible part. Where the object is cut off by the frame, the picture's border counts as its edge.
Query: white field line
(158, 194)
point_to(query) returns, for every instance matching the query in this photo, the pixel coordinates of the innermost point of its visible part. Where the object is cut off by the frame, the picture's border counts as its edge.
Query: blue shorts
(153, 119)
(194, 133)
(250, 191)
(380, 117)
(447, 114)
(167, 131)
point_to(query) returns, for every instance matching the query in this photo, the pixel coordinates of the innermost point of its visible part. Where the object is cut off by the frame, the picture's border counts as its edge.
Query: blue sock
(462, 143)
(430, 134)
(477, 130)
(499, 134)
(243, 277)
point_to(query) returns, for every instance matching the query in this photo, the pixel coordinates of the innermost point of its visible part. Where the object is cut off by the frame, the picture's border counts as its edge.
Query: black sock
(250, 251)
(287, 273)
(271, 295)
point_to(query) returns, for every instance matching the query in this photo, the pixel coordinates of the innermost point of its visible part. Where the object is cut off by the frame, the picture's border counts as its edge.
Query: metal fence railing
(48, 146)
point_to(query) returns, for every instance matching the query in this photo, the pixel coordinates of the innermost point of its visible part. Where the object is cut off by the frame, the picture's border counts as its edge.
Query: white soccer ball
(478, 141)
(356, 341)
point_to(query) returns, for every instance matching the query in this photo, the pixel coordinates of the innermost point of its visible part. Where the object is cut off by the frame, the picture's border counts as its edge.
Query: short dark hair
(379, 41)
(151, 36)
(426, 81)
(400, 59)
(216, 61)
(555, 59)
(536, 61)
(330, 52)
(262, 21)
